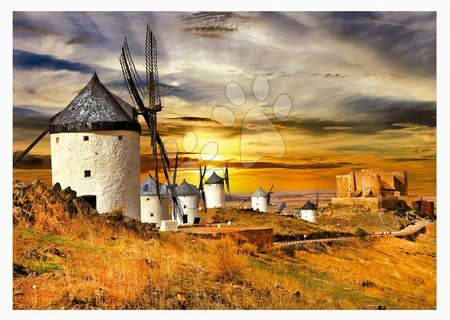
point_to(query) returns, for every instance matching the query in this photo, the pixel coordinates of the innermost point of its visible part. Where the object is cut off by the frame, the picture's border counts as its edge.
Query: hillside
(66, 256)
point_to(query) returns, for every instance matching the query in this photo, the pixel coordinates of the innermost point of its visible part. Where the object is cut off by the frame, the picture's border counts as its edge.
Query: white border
(443, 18)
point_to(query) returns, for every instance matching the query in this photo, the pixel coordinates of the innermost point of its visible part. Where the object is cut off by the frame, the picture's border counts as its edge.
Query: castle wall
(371, 183)
(106, 165)
(401, 182)
(373, 203)
(389, 203)
(343, 185)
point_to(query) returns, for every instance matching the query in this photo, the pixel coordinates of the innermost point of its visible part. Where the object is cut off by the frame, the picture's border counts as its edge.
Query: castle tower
(214, 192)
(94, 145)
(188, 199)
(260, 200)
(152, 209)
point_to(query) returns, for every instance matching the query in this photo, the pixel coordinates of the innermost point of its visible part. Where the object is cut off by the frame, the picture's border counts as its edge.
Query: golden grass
(107, 266)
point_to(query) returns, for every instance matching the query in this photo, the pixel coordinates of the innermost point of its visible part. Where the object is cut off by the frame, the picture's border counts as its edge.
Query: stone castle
(373, 188)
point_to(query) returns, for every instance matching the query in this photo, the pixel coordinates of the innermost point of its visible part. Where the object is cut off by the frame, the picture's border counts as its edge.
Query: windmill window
(85, 138)
(146, 188)
(184, 206)
(147, 199)
(87, 173)
(57, 139)
(152, 215)
(120, 137)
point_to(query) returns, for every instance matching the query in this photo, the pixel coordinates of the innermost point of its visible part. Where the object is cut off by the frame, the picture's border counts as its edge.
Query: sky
(286, 98)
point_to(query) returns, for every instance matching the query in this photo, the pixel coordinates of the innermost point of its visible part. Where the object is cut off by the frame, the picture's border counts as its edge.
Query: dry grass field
(82, 261)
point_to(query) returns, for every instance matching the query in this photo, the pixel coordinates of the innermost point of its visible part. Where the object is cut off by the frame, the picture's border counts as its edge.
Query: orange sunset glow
(285, 98)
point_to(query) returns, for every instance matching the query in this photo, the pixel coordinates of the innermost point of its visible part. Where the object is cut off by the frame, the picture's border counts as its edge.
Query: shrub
(225, 261)
(361, 233)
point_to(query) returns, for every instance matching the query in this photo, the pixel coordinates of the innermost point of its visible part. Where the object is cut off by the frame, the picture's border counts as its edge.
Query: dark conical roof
(309, 206)
(94, 108)
(214, 179)
(148, 188)
(186, 189)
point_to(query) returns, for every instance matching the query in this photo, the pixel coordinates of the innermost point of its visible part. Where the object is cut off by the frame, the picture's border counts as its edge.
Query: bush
(361, 233)
(289, 250)
(225, 261)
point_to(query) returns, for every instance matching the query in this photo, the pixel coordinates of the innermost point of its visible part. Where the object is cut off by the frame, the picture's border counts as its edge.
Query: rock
(57, 188)
(68, 194)
(379, 307)
(55, 251)
(19, 270)
(367, 283)
(168, 225)
(297, 294)
(34, 286)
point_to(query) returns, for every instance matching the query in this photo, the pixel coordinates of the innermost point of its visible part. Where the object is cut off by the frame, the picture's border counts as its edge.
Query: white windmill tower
(154, 208)
(261, 200)
(188, 201)
(309, 212)
(214, 189)
(95, 150)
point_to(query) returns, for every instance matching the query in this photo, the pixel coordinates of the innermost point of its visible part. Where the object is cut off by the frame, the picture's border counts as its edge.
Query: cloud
(382, 113)
(194, 119)
(25, 60)
(34, 29)
(213, 24)
(410, 159)
(405, 38)
(29, 118)
(83, 39)
(31, 161)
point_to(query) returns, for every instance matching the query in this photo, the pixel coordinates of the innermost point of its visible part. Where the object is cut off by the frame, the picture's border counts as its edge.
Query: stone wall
(262, 238)
(371, 185)
(372, 203)
(380, 182)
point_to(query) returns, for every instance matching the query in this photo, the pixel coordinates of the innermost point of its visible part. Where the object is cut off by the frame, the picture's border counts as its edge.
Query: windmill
(139, 93)
(317, 198)
(227, 181)
(268, 195)
(200, 185)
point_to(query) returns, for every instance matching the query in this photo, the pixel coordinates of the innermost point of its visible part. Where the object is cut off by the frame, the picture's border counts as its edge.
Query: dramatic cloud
(213, 24)
(24, 60)
(405, 38)
(362, 85)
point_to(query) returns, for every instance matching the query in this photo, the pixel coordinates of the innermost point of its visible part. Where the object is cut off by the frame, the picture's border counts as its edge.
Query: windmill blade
(125, 58)
(175, 170)
(24, 153)
(177, 210)
(163, 150)
(200, 186)
(270, 191)
(151, 68)
(132, 80)
(227, 180)
(244, 201)
(317, 198)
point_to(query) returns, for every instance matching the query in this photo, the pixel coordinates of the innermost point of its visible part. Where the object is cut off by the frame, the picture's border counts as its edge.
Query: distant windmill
(214, 189)
(139, 93)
